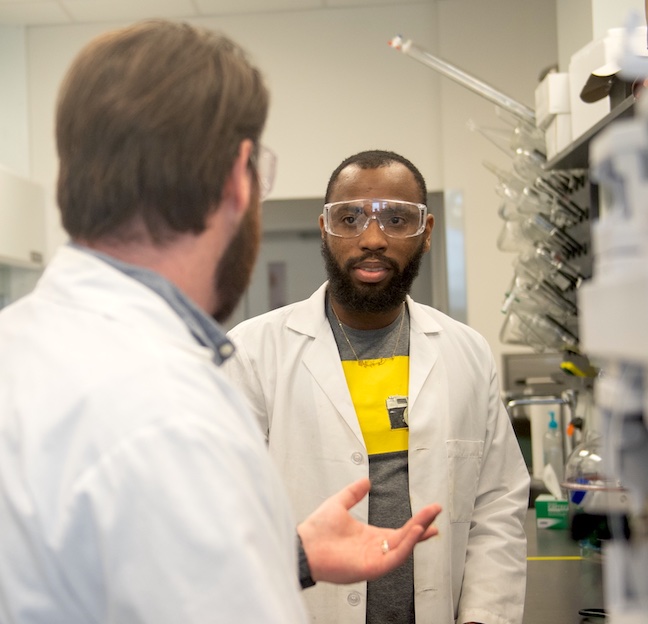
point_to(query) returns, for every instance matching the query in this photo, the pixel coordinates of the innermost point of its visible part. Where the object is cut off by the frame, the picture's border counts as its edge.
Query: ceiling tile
(40, 12)
(360, 3)
(24, 2)
(117, 10)
(216, 7)
(33, 13)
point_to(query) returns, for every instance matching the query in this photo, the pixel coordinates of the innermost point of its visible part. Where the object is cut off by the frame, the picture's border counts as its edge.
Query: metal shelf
(576, 155)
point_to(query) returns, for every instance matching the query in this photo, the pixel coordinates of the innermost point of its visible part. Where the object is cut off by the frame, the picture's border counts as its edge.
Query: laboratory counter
(560, 580)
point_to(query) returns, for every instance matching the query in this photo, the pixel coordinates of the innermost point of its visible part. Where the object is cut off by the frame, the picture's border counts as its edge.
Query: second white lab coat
(135, 488)
(463, 454)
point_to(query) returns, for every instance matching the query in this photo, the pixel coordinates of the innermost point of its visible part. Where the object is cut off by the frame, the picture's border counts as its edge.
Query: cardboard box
(551, 512)
(551, 98)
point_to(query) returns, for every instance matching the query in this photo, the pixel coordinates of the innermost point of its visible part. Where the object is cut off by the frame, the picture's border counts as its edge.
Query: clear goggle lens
(265, 163)
(398, 219)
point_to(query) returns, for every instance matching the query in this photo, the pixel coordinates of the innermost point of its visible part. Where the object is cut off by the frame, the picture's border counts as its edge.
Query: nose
(372, 237)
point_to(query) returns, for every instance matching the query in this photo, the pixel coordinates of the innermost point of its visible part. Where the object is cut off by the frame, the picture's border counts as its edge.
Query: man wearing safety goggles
(360, 380)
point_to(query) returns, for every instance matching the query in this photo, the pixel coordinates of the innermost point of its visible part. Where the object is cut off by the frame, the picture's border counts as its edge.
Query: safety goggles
(264, 161)
(398, 219)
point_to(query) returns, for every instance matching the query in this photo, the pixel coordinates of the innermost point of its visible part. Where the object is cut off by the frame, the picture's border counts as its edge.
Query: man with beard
(134, 484)
(359, 380)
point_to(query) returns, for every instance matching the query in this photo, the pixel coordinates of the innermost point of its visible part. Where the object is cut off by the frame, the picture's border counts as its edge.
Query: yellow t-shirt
(379, 395)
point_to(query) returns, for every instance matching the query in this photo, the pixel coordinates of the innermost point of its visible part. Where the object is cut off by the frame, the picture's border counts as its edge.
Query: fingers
(419, 527)
(427, 514)
(401, 542)
(353, 493)
(424, 518)
(408, 539)
(431, 531)
(398, 550)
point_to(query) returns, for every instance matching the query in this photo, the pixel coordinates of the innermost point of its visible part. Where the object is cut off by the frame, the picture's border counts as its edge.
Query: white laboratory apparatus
(613, 325)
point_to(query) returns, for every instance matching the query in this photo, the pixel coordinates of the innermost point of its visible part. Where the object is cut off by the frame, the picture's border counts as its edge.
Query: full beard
(236, 265)
(370, 298)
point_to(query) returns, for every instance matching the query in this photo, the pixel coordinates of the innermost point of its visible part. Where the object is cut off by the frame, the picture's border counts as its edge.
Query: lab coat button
(357, 458)
(226, 349)
(354, 599)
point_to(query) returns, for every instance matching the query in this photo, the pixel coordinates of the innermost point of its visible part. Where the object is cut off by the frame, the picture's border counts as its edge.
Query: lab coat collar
(201, 326)
(307, 316)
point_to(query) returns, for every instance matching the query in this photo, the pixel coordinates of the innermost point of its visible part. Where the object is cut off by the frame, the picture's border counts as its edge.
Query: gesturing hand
(342, 550)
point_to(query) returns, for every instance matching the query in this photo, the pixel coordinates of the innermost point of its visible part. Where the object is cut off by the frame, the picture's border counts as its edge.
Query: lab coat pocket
(464, 461)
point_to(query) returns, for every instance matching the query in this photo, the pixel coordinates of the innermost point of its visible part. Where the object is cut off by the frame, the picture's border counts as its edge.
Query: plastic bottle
(552, 448)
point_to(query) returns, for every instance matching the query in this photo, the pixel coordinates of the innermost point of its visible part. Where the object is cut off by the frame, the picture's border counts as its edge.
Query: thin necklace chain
(370, 363)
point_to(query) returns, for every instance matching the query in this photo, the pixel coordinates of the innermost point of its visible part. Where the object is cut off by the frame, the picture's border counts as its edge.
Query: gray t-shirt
(390, 599)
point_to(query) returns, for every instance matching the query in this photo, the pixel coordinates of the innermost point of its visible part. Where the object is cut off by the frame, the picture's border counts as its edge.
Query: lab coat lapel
(424, 352)
(322, 359)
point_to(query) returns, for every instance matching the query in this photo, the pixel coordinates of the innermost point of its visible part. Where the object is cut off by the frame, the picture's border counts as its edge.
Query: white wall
(574, 20)
(14, 152)
(14, 141)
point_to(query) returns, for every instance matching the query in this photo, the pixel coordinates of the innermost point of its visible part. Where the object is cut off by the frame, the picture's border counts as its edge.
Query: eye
(348, 216)
(395, 220)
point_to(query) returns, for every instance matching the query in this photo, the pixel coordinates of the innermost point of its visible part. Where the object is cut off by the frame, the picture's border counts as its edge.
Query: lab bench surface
(560, 580)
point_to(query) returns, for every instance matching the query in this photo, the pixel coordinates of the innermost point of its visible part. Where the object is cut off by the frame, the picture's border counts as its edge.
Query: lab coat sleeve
(494, 582)
(184, 512)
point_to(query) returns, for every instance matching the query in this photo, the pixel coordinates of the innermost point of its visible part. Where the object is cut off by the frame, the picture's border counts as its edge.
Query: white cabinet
(22, 221)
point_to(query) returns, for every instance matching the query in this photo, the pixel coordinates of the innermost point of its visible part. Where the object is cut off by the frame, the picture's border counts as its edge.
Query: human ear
(321, 221)
(429, 226)
(237, 190)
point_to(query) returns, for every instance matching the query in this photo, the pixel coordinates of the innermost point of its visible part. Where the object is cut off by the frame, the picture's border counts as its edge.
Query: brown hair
(149, 122)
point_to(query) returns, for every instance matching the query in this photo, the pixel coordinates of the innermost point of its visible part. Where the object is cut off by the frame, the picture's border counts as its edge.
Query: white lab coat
(134, 485)
(462, 454)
